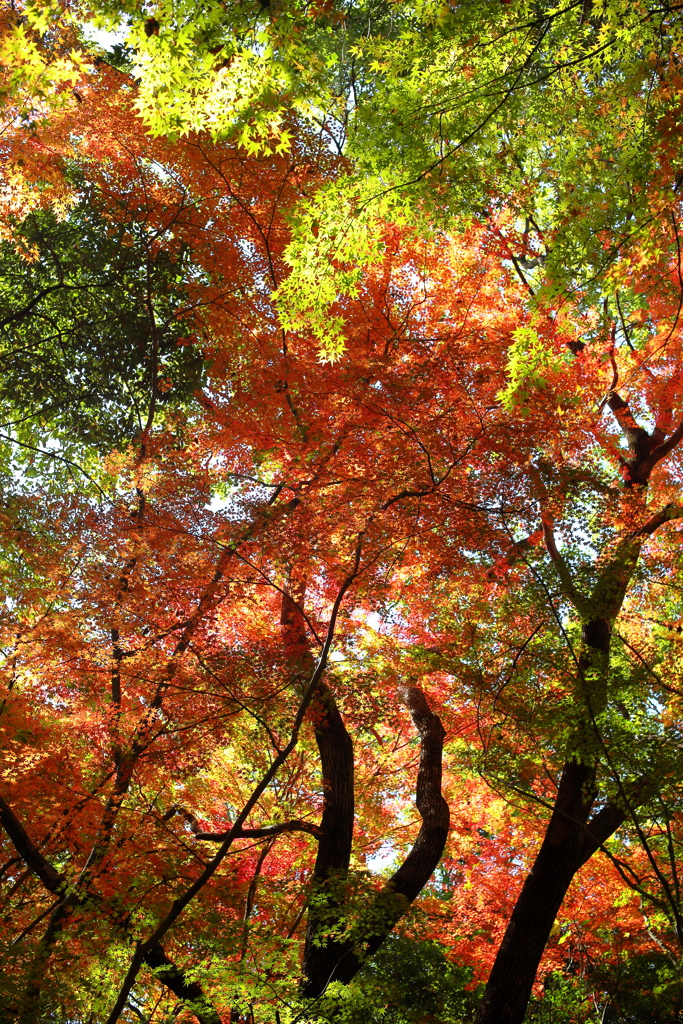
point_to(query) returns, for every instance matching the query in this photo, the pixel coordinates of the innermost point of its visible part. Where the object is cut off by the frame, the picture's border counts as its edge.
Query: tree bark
(568, 842)
(334, 844)
(404, 886)
(559, 858)
(567, 846)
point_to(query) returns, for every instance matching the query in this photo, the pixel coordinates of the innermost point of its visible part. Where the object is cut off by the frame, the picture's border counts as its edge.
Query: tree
(276, 451)
(493, 481)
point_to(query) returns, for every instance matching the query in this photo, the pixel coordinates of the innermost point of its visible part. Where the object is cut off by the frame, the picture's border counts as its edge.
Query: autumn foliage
(250, 588)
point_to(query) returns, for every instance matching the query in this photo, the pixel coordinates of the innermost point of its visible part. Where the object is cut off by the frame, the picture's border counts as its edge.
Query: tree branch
(321, 954)
(665, 515)
(174, 978)
(28, 851)
(404, 886)
(577, 599)
(171, 975)
(262, 833)
(195, 887)
(646, 449)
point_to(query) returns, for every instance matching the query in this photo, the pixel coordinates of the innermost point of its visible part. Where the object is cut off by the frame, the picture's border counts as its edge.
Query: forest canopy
(340, 456)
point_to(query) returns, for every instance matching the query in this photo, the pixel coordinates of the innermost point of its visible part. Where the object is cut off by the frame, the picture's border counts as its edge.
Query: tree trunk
(559, 858)
(341, 961)
(334, 844)
(568, 842)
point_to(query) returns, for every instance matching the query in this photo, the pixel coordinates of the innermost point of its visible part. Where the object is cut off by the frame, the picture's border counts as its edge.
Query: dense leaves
(248, 589)
(90, 325)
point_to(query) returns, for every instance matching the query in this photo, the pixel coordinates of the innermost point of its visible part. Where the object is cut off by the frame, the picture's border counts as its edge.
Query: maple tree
(163, 456)
(277, 574)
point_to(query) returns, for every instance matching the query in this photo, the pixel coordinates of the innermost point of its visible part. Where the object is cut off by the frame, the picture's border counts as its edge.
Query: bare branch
(295, 825)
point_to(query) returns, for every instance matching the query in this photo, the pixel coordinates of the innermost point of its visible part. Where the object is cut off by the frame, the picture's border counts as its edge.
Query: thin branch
(296, 825)
(186, 898)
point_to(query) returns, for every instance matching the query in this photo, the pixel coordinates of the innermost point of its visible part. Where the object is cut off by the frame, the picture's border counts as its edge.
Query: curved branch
(417, 869)
(334, 844)
(174, 978)
(390, 905)
(156, 958)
